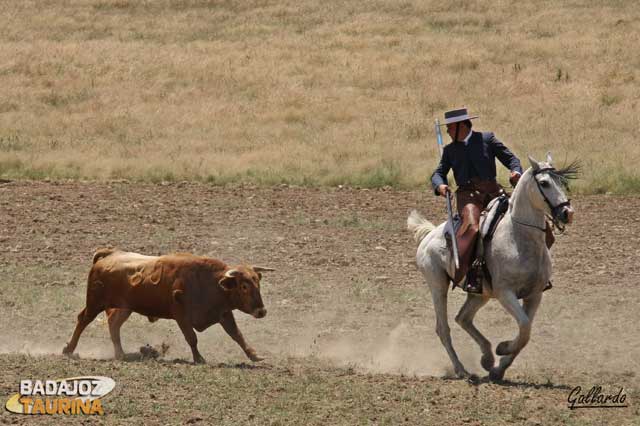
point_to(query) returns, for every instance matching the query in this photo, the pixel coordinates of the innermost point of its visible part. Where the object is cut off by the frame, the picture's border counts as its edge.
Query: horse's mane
(564, 175)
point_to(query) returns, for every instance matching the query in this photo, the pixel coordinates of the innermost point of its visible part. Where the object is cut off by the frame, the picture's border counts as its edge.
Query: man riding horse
(472, 156)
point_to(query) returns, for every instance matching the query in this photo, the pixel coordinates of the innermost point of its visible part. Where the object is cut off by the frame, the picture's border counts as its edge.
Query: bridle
(555, 210)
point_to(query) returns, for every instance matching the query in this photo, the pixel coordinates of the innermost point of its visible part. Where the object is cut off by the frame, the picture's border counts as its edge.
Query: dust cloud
(394, 351)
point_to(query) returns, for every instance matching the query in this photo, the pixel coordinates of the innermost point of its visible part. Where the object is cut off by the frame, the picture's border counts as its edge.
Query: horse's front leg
(524, 318)
(465, 319)
(529, 309)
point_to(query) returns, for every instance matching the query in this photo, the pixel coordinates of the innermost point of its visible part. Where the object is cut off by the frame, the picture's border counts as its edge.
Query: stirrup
(472, 289)
(476, 277)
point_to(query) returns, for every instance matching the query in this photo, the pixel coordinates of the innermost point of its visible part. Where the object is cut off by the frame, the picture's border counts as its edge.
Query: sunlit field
(312, 93)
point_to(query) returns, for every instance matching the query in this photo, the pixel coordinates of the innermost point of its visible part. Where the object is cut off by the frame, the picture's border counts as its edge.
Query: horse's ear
(534, 164)
(549, 159)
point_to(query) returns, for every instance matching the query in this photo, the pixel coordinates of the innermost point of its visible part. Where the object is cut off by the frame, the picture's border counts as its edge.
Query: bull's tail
(420, 226)
(100, 253)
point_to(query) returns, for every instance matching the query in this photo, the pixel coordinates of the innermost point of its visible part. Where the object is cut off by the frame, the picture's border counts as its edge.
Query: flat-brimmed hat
(457, 115)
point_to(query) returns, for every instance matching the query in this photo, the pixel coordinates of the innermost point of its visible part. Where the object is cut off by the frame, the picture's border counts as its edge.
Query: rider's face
(462, 131)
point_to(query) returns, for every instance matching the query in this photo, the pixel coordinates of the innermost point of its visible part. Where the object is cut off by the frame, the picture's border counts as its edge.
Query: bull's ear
(262, 269)
(228, 281)
(534, 164)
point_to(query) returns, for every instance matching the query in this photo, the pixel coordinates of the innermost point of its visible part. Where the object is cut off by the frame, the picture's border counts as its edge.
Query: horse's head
(548, 189)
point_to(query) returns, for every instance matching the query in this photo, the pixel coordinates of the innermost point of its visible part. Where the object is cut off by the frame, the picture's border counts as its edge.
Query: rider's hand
(442, 190)
(515, 177)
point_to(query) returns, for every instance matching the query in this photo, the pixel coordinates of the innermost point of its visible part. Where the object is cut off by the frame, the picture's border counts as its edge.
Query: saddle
(489, 220)
(492, 215)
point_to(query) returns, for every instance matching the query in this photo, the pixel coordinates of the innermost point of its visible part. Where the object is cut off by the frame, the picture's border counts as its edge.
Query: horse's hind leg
(439, 287)
(465, 319)
(524, 316)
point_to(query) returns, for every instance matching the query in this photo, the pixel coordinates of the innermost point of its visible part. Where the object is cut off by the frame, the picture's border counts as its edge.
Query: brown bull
(195, 291)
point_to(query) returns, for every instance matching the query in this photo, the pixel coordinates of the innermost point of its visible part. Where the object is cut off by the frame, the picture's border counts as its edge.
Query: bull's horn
(262, 269)
(232, 273)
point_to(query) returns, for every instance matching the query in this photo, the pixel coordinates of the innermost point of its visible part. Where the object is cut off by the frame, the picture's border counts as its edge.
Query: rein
(527, 224)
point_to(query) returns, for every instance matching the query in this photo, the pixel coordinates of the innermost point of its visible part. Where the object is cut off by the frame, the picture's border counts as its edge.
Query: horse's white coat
(517, 258)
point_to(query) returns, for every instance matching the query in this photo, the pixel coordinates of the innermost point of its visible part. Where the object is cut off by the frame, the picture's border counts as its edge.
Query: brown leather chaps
(471, 200)
(466, 238)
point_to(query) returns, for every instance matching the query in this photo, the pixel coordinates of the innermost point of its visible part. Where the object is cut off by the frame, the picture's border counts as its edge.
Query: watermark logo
(596, 398)
(72, 396)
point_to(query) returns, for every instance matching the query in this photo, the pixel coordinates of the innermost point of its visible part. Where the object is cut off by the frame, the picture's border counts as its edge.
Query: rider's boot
(473, 282)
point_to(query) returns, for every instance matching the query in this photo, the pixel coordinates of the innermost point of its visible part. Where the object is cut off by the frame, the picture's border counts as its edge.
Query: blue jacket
(477, 159)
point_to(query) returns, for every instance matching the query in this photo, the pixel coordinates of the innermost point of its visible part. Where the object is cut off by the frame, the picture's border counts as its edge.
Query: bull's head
(243, 285)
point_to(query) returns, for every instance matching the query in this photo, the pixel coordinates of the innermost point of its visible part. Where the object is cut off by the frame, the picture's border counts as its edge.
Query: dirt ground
(349, 336)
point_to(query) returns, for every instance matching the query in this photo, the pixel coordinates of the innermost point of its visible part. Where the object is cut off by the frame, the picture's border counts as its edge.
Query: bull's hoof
(69, 353)
(496, 374)
(503, 349)
(199, 360)
(251, 354)
(487, 361)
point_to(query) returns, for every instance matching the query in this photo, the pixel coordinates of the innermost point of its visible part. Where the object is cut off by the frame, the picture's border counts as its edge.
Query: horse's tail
(420, 226)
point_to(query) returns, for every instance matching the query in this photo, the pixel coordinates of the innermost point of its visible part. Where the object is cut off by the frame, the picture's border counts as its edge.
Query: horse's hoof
(473, 379)
(487, 360)
(496, 375)
(462, 374)
(503, 349)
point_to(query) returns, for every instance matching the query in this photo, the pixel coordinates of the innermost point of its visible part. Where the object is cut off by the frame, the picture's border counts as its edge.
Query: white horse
(517, 258)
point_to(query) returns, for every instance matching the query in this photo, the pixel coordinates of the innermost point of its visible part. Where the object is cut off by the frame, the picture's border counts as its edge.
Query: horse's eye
(544, 184)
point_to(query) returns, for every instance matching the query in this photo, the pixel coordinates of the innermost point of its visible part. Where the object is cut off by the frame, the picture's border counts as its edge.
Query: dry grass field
(313, 93)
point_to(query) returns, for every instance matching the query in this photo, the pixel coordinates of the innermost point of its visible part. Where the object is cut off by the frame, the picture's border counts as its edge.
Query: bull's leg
(192, 340)
(465, 320)
(116, 318)
(510, 349)
(228, 322)
(439, 286)
(84, 319)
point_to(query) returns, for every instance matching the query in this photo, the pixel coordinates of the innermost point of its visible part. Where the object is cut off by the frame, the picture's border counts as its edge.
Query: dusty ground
(350, 331)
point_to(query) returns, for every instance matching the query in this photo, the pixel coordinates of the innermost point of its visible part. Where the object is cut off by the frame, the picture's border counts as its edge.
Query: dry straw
(310, 92)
